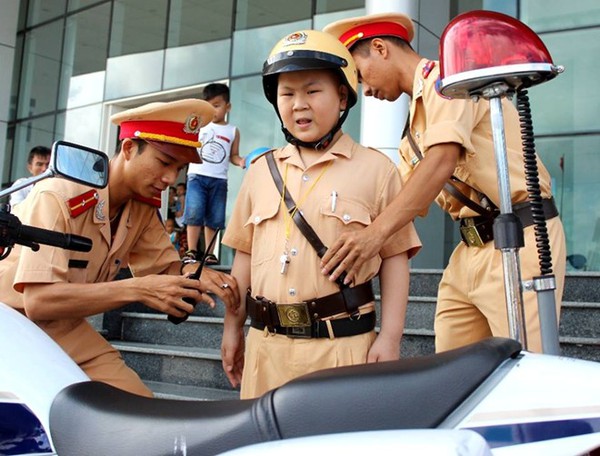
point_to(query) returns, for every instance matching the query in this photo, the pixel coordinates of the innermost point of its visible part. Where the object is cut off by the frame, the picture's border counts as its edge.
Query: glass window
(28, 134)
(42, 10)
(573, 163)
(78, 4)
(199, 21)
(41, 69)
(16, 78)
(84, 57)
(560, 15)
(137, 26)
(134, 74)
(322, 19)
(81, 126)
(251, 47)
(332, 6)
(190, 65)
(260, 13)
(570, 101)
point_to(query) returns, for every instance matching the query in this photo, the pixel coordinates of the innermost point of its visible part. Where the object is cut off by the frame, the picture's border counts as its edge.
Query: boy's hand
(223, 285)
(384, 349)
(232, 353)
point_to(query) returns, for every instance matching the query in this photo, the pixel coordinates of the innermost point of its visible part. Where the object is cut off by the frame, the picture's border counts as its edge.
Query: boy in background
(206, 196)
(300, 321)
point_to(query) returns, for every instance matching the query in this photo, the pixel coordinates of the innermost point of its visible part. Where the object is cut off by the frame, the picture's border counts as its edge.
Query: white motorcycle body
(532, 404)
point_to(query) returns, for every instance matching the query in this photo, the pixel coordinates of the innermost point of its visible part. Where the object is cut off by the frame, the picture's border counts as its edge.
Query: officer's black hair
(214, 90)
(140, 143)
(40, 151)
(362, 47)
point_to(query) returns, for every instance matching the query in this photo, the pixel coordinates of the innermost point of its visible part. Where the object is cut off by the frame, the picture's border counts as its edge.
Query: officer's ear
(379, 46)
(128, 148)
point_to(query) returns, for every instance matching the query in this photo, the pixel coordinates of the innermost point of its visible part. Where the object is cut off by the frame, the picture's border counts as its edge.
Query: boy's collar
(342, 147)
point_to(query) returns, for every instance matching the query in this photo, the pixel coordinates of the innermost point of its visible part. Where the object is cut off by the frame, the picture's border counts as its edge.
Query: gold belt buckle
(293, 315)
(470, 234)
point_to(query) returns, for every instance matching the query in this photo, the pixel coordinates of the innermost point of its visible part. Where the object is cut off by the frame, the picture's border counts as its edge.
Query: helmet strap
(320, 144)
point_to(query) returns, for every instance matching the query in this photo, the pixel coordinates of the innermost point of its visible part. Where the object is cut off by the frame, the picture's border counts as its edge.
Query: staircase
(183, 361)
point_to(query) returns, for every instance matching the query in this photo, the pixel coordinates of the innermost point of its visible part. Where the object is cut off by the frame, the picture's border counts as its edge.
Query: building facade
(68, 65)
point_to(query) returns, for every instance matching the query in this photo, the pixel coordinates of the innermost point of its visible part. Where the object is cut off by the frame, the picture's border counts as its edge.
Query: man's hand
(223, 285)
(350, 252)
(165, 293)
(232, 353)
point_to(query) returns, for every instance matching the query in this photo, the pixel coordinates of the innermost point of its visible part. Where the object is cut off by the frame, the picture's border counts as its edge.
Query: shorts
(205, 201)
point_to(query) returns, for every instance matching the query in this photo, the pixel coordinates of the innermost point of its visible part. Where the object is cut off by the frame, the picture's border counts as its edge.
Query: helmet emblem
(295, 39)
(192, 124)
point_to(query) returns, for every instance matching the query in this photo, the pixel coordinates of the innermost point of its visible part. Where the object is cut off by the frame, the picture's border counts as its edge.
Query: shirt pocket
(345, 214)
(266, 230)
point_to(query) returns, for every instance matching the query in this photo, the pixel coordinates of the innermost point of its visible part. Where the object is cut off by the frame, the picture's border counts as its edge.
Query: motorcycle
(491, 397)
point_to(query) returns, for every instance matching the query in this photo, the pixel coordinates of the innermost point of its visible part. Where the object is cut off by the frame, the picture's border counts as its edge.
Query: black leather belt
(344, 327)
(304, 313)
(477, 231)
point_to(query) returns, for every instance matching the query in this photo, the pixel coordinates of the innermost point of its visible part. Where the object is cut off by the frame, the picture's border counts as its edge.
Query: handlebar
(12, 232)
(74, 242)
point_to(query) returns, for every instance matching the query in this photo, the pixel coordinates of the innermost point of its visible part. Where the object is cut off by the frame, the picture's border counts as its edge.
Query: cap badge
(295, 39)
(192, 124)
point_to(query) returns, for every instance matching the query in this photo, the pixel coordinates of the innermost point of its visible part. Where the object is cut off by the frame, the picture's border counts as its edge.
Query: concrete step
(163, 390)
(193, 366)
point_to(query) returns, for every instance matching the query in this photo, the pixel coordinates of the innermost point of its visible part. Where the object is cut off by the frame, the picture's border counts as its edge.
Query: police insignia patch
(295, 38)
(192, 124)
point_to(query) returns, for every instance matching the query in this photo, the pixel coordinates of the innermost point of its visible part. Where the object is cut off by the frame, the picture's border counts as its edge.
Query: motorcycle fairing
(21, 431)
(96, 419)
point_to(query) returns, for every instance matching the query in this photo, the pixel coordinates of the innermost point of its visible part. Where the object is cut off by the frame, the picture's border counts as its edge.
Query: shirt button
(346, 217)
(257, 219)
(292, 291)
(305, 178)
(294, 252)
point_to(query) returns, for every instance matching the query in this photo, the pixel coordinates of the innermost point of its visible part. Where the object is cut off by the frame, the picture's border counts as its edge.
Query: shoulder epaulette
(154, 201)
(81, 203)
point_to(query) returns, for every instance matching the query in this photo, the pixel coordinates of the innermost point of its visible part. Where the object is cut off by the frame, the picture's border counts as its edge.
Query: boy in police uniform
(58, 288)
(453, 137)
(300, 321)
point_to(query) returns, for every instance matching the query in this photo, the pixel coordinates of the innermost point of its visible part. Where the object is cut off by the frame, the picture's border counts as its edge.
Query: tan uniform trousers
(471, 301)
(272, 360)
(94, 355)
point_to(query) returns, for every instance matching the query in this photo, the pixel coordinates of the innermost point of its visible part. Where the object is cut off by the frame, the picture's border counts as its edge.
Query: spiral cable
(533, 183)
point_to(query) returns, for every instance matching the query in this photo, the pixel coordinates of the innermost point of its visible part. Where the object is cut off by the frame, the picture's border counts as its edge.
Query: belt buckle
(470, 234)
(293, 315)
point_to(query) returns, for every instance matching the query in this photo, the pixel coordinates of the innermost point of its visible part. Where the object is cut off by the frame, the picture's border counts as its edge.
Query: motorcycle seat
(93, 418)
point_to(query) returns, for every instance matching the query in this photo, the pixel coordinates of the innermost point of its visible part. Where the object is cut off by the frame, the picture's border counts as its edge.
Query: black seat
(92, 418)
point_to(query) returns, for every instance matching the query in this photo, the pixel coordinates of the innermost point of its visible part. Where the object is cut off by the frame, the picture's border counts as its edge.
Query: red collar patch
(81, 203)
(430, 65)
(154, 201)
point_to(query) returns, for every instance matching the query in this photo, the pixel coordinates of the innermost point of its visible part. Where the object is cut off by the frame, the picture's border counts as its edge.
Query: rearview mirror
(80, 164)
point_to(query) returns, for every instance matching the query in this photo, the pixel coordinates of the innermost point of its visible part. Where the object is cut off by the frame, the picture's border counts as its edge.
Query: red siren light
(479, 49)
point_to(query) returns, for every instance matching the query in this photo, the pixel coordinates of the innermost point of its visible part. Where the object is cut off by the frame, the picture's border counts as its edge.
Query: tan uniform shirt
(437, 120)
(365, 181)
(140, 241)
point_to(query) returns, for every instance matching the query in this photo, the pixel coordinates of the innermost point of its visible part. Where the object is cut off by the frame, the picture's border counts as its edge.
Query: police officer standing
(447, 139)
(58, 288)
